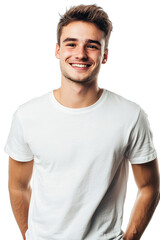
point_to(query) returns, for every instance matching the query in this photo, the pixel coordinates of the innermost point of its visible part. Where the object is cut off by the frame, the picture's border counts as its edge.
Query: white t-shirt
(81, 158)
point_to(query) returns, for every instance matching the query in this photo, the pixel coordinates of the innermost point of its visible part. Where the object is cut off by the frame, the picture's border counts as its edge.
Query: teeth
(79, 65)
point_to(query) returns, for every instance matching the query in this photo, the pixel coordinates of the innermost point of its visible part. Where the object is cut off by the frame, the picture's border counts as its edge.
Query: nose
(81, 53)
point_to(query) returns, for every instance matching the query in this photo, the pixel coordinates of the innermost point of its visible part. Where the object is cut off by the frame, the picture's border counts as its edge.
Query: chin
(84, 80)
(80, 80)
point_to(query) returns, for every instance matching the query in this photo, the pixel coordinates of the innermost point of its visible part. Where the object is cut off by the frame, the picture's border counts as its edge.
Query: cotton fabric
(81, 158)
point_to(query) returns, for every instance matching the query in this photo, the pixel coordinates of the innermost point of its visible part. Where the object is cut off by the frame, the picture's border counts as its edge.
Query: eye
(71, 44)
(92, 47)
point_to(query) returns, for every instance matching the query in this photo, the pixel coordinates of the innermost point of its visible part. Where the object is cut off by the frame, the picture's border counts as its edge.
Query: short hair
(88, 13)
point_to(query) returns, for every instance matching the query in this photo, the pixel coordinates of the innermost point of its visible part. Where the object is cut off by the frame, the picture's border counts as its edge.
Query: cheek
(98, 61)
(66, 51)
(95, 56)
(66, 54)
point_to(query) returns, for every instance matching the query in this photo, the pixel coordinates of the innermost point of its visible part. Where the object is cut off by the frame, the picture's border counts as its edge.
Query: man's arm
(20, 174)
(148, 182)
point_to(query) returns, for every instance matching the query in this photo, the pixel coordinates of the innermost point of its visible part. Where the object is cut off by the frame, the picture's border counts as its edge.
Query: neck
(77, 96)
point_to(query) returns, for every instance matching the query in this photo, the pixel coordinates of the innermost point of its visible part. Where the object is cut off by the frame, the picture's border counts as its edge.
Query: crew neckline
(63, 108)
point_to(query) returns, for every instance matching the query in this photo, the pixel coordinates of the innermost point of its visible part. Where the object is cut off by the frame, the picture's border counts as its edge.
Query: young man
(78, 140)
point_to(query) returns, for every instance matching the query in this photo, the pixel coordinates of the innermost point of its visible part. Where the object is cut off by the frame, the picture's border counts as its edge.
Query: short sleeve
(16, 147)
(140, 146)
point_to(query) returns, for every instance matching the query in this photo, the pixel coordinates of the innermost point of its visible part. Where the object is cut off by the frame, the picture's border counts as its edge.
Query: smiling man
(81, 51)
(77, 142)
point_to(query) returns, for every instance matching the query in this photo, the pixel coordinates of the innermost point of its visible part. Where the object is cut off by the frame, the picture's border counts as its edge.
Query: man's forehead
(82, 30)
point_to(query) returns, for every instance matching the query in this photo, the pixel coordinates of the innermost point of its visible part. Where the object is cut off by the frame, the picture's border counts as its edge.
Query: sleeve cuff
(142, 160)
(18, 157)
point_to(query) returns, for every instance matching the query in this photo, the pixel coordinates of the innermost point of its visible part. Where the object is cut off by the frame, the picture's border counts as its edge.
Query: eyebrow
(94, 41)
(88, 41)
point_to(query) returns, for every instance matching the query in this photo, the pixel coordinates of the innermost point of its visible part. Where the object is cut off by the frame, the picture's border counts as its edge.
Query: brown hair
(88, 13)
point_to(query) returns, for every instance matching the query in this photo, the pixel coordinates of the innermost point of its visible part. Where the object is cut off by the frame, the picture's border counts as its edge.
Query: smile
(79, 65)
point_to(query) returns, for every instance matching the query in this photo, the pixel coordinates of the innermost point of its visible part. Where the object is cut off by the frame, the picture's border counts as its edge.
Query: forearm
(20, 200)
(144, 207)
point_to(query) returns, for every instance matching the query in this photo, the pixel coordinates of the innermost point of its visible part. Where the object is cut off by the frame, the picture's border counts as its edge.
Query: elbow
(151, 192)
(157, 198)
(157, 193)
(10, 188)
(156, 190)
(18, 187)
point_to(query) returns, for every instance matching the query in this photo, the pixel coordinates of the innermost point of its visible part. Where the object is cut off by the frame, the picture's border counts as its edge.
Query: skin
(20, 174)
(148, 182)
(79, 89)
(79, 86)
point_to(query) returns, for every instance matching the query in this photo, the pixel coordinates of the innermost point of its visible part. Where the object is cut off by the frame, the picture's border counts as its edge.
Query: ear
(57, 51)
(105, 56)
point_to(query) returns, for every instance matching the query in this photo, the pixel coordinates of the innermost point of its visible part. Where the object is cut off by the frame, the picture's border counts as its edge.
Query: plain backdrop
(28, 68)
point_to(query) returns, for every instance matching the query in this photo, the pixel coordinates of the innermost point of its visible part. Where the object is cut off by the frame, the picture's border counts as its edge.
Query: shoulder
(33, 106)
(121, 101)
(123, 107)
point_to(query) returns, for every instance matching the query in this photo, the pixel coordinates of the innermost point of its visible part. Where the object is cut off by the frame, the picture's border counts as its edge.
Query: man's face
(81, 51)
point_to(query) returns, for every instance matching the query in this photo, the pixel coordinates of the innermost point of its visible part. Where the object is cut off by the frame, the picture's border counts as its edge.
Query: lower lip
(80, 68)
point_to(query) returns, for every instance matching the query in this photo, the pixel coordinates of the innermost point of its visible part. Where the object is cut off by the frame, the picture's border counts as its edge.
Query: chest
(74, 139)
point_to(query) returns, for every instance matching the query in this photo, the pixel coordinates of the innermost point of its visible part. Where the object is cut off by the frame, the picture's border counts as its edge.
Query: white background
(29, 69)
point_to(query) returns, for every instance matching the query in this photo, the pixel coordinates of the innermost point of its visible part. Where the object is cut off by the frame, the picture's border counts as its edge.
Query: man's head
(87, 13)
(83, 33)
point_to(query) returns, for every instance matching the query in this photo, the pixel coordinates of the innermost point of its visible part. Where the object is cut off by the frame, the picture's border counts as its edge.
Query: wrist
(130, 237)
(131, 233)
